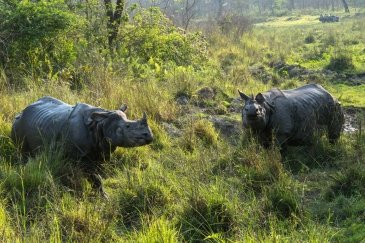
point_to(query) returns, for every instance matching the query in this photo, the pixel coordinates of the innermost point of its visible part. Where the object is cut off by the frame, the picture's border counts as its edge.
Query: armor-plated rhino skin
(87, 134)
(292, 115)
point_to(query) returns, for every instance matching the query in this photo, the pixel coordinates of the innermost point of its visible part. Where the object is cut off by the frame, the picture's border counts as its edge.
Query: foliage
(151, 41)
(340, 62)
(39, 37)
(191, 183)
(204, 218)
(309, 39)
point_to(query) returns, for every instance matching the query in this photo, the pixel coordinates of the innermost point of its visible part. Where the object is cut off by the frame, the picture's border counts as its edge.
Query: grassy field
(201, 184)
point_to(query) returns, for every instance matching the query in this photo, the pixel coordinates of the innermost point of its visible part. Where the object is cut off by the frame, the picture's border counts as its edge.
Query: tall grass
(198, 186)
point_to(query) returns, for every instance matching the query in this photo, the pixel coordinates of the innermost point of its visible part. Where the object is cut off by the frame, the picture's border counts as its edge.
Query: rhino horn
(144, 117)
(243, 96)
(123, 107)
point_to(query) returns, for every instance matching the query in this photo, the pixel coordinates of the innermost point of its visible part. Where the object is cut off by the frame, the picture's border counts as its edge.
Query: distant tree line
(183, 11)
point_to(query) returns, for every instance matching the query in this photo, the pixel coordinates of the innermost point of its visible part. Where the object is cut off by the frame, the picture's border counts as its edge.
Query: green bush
(341, 62)
(309, 39)
(151, 41)
(39, 37)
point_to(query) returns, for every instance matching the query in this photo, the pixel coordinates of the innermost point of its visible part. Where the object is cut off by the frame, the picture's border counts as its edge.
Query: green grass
(349, 95)
(199, 186)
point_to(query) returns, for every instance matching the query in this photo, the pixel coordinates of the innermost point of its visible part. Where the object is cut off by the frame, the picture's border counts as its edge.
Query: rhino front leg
(97, 184)
(282, 142)
(336, 123)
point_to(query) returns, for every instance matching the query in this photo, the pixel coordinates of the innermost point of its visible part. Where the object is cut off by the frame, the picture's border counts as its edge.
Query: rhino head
(118, 130)
(255, 112)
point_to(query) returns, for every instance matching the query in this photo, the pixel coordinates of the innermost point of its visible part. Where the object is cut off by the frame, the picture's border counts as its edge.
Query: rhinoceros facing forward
(292, 115)
(88, 134)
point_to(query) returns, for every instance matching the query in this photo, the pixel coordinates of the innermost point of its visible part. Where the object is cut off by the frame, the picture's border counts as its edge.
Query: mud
(354, 119)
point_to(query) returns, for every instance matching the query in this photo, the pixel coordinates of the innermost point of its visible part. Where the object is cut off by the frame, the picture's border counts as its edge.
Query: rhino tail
(335, 125)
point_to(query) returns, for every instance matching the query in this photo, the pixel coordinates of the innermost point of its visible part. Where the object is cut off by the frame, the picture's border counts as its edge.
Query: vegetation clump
(350, 182)
(309, 39)
(340, 62)
(205, 130)
(202, 178)
(283, 202)
(204, 218)
(138, 201)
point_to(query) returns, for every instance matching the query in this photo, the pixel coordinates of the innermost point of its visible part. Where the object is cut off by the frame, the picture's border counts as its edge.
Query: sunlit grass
(349, 95)
(198, 185)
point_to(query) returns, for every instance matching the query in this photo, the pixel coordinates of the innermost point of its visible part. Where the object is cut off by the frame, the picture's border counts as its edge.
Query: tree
(291, 5)
(189, 12)
(114, 19)
(346, 6)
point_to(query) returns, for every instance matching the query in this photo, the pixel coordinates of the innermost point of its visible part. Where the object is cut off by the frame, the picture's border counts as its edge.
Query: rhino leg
(335, 123)
(92, 171)
(282, 142)
(265, 138)
(96, 183)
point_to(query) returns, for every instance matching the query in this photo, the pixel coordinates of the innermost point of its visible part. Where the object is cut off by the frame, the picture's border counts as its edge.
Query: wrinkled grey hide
(87, 134)
(292, 115)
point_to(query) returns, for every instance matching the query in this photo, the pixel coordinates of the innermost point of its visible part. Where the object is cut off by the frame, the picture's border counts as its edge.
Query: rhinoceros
(87, 134)
(292, 116)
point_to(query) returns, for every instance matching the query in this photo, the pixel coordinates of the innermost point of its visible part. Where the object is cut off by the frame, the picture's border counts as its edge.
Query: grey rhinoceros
(292, 116)
(87, 134)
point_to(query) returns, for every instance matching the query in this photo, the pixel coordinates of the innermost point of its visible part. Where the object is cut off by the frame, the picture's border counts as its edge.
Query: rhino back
(298, 111)
(42, 121)
(312, 102)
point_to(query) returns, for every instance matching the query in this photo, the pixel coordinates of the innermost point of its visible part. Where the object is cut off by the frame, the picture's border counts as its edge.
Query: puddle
(354, 118)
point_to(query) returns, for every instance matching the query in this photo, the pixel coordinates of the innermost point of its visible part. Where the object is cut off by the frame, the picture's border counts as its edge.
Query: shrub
(38, 37)
(309, 39)
(235, 24)
(340, 62)
(151, 41)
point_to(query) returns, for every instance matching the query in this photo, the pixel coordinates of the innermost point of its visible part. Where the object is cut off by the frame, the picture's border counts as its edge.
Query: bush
(235, 24)
(37, 37)
(309, 39)
(340, 62)
(151, 41)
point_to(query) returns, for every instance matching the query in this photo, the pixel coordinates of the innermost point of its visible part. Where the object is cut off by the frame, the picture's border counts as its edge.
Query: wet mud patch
(354, 119)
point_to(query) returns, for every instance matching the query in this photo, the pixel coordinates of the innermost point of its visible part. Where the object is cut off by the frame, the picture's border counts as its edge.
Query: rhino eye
(119, 130)
(127, 126)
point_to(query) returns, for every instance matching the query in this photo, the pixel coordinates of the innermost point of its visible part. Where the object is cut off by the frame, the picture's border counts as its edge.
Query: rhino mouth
(142, 141)
(253, 117)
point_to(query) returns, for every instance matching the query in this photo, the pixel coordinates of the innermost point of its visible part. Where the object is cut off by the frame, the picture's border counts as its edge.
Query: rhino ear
(243, 96)
(260, 98)
(123, 108)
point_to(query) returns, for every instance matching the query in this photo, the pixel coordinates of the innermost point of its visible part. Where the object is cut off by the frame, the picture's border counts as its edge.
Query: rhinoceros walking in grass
(88, 134)
(292, 115)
